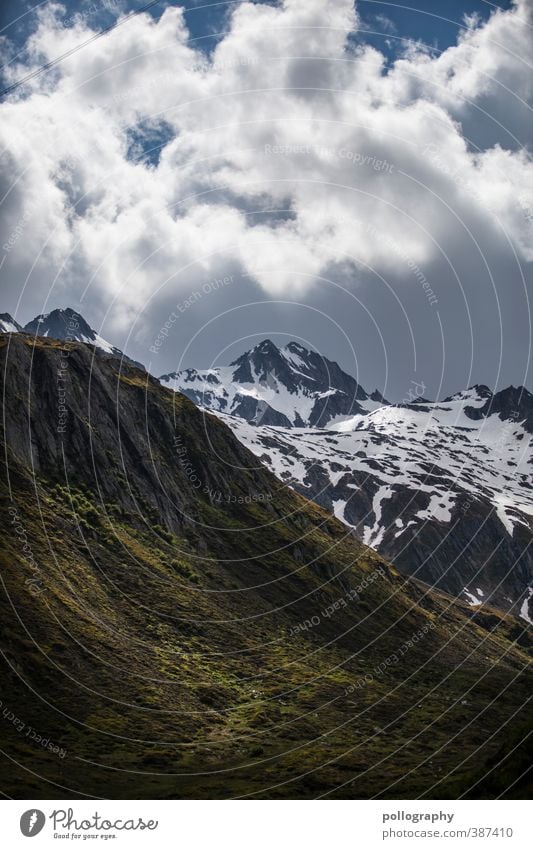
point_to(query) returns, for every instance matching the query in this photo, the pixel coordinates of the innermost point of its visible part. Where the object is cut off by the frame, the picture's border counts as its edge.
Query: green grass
(159, 653)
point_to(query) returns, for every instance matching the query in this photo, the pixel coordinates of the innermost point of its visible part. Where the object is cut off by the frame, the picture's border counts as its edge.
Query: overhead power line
(53, 62)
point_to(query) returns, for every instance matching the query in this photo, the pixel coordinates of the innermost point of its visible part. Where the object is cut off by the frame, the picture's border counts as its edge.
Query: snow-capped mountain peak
(8, 324)
(442, 488)
(289, 387)
(69, 325)
(65, 324)
(475, 394)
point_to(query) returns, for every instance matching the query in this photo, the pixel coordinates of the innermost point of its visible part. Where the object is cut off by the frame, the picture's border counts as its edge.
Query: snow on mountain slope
(70, 326)
(67, 324)
(289, 387)
(8, 324)
(439, 452)
(442, 489)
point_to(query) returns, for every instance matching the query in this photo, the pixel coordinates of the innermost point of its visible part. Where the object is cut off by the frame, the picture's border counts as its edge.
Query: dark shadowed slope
(178, 623)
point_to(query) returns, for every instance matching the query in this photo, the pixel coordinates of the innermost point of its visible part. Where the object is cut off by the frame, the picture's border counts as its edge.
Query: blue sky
(386, 24)
(435, 22)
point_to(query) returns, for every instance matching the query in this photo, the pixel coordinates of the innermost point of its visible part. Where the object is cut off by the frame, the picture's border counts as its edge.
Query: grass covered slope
(176, 623)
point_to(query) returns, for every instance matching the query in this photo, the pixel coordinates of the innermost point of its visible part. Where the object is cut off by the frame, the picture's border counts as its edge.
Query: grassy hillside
(178, 624)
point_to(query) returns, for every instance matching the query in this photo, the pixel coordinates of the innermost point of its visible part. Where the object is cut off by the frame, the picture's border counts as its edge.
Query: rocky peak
(62, 324)
(67, 324)
(290, 386)
(8, 323)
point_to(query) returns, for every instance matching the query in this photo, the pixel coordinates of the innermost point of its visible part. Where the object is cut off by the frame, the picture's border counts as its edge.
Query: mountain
(288, 387)
(70, 326)
(443, 489)
(8, 324)
(177, 623)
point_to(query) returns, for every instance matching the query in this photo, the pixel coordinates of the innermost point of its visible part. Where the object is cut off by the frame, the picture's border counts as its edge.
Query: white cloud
(489, 71)
(286, 115)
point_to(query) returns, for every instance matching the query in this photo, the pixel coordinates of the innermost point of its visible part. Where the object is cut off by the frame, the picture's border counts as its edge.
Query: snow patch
(473, 601)
(524, 610)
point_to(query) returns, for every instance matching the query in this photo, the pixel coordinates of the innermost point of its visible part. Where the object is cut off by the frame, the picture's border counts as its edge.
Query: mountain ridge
(8, 324)
(441, 488)
(444, 485)
(65, 324)
(185, 644)
(58, 317)
(289, 386)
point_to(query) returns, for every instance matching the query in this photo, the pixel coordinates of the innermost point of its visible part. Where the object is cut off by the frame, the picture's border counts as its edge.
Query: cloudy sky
(355, 177)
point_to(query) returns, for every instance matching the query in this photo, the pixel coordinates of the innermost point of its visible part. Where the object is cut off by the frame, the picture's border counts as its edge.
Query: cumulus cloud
(291, 149)
(485, 82)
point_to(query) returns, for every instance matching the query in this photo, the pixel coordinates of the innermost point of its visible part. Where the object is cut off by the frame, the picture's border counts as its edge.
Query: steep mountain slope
(8, 324)
(176, 622)
(290, 387)
(443, 490)
(70, 326)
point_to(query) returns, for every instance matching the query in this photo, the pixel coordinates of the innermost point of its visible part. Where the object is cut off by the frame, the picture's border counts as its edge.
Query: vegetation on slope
(178, 624)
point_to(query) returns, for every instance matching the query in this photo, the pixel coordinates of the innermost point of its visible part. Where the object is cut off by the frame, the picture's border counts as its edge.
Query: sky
(357, 177)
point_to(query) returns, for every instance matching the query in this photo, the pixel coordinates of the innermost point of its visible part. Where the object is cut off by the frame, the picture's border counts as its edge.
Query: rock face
(70, 326)
(184, 625)
(8, 324)
(444, 489)
(287, 387)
